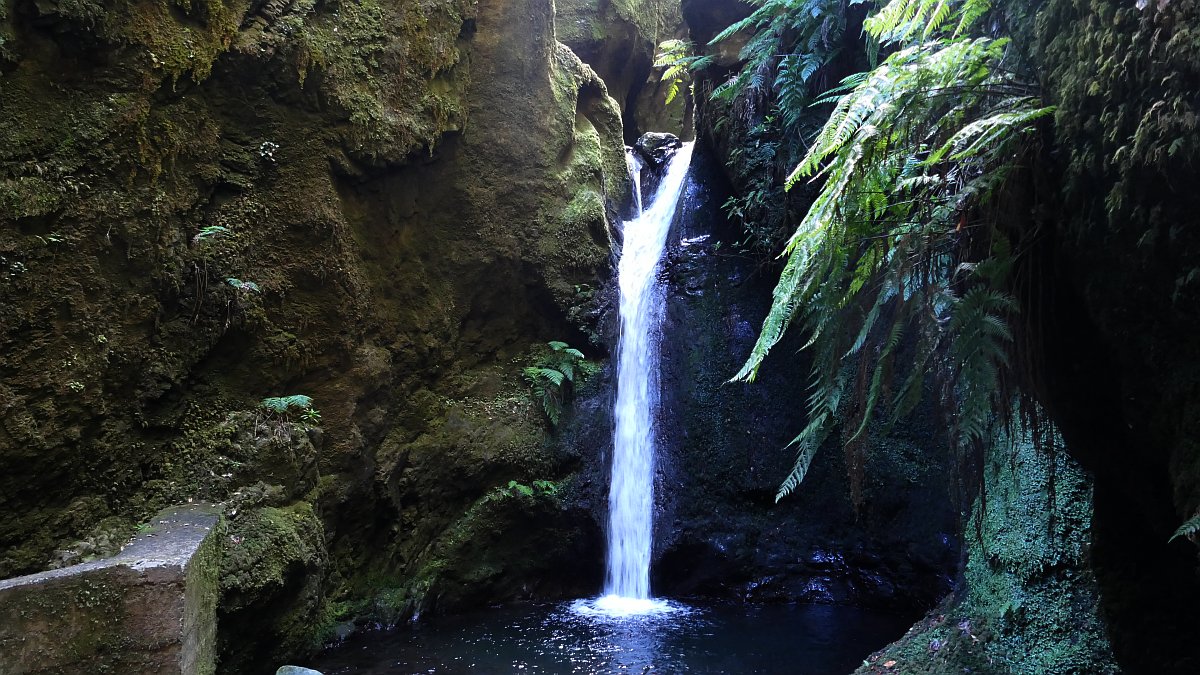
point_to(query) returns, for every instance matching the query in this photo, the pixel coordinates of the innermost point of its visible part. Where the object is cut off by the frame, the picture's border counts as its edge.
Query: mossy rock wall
(1028, 602)
(381, 205)
(1122, 368)
(619, 39)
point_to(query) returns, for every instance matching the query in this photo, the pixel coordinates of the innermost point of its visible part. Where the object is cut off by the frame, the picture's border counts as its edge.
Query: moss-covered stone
(1029, 602)
(619, 40)
(271, 585)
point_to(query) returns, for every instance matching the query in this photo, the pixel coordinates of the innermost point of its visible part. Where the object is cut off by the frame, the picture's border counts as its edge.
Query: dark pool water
(792, 639)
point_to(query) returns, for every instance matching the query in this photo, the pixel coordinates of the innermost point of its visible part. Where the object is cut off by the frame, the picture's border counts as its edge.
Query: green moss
(272, 586)
(1029, 603)
(178, 37)
(395, 68)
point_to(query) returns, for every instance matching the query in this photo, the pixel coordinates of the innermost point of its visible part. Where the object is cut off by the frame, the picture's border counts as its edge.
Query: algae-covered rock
(1029, 602)
(272, 581)
(620, 40)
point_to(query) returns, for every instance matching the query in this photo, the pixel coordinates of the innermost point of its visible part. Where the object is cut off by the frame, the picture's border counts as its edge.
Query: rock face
(150, 609)
(384, 206)
(620, 39)
(1029, 601)
(1125, 369)
(721, 533)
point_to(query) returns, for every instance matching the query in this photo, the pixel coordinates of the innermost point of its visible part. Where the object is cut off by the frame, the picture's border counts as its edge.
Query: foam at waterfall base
(620, 607)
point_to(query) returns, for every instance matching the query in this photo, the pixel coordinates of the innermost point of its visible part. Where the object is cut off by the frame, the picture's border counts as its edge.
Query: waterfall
(631, 494)
(635, 164)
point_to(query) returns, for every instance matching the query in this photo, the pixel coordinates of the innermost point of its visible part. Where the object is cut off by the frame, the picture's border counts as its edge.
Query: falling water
(635, 165)
(631, 498)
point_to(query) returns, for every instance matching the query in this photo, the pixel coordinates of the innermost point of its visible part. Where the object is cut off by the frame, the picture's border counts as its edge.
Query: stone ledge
(149, 609)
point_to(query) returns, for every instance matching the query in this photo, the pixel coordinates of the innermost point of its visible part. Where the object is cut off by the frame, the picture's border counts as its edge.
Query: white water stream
(631, 493)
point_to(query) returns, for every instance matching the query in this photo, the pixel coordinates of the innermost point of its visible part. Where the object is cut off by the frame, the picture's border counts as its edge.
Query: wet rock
(657, 147)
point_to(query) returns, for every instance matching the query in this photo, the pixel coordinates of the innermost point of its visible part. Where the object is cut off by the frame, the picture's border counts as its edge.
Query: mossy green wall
(1028, 602)
(419, 190)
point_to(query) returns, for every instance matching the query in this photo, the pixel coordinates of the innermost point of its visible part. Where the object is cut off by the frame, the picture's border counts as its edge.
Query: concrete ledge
(149, 609)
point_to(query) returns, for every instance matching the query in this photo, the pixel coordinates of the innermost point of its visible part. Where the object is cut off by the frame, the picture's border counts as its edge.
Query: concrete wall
(149, 609)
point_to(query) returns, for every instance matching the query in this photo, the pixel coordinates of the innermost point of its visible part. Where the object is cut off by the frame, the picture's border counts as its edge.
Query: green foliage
(536, 488)
(1189, 529)
(210, 232)
(679, 60)
(284, 406)
(912, 20)
(553, 377)
(891, 244)
(245, 286)
(791, 41)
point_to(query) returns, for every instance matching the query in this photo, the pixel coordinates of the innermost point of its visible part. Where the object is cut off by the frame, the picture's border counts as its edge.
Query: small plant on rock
(282, 408)
(553, 377)
(545, 488)
(244, 286)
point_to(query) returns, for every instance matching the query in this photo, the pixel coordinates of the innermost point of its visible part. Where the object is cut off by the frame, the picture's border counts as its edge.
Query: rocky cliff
(384, 206)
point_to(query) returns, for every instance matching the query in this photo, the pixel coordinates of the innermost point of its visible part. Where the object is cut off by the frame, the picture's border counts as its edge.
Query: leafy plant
(283, 407)
(768, 100)
(537, 487)
(210, 232)
(891, 245)
(553, 377)
(679, 60)
(1189, 529)
(245, 286)
(791, 41)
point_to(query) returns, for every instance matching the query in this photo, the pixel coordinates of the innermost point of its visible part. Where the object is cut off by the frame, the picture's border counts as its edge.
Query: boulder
(656, 147)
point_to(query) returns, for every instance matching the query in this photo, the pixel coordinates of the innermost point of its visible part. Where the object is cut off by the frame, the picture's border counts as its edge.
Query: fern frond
(282, 404)
(804, 458)
(1189, 529)
(538, 375)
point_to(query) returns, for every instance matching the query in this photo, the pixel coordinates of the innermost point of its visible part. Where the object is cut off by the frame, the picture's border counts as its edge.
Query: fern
(911, 149)
(1189, 529)
(909, 20)
(790, 41)
(552, 379)
(284, 406)
(210, 232)
(678, 60)
(247, 286)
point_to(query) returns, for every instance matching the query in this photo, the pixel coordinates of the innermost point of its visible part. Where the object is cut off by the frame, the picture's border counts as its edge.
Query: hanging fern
(679, 61)
(790, 41)
(910, 152)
